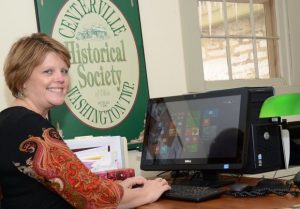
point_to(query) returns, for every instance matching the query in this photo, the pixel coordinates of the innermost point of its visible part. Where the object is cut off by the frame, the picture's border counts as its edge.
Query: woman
(37, 169)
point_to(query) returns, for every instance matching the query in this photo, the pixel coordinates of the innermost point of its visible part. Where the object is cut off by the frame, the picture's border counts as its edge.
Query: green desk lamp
(278, 106)
(281, 105)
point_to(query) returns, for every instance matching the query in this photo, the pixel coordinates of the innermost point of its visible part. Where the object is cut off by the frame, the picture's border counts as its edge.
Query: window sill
(214, 85)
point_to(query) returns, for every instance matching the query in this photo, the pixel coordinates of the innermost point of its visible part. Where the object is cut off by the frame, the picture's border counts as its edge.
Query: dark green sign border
(132, 127)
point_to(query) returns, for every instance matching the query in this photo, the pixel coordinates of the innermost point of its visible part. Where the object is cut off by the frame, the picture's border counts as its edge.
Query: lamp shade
(281, 105)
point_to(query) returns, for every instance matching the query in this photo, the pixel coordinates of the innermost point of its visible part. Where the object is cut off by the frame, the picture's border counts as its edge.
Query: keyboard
(192, 193)
(207, 183)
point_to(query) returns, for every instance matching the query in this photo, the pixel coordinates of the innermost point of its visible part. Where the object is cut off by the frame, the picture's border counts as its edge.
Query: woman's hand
(133, 181)
(149, 192)
(154, 188)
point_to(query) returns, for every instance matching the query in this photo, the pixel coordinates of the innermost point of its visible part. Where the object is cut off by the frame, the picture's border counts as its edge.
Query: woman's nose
(60, 76)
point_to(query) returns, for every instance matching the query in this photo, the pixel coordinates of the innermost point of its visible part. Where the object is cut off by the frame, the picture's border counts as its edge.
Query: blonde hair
(27, 53)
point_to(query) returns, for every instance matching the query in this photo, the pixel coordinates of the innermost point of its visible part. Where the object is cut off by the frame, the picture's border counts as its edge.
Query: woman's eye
(65, 71)
(49, 71)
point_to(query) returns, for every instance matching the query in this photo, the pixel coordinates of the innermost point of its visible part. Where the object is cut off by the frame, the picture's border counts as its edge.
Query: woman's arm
(53, 164)
(56, 166)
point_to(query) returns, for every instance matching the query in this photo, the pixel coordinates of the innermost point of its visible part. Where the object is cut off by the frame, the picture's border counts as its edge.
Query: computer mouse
(296, 179)
(239, 187)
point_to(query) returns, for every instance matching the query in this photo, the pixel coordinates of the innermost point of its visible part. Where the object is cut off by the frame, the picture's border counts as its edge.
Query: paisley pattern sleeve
(55, 165)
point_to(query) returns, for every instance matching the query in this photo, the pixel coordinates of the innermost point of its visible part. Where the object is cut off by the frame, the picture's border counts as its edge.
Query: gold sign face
(104, 61)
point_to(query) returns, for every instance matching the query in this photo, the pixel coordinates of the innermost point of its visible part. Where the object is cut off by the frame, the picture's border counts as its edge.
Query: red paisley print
(56, 166)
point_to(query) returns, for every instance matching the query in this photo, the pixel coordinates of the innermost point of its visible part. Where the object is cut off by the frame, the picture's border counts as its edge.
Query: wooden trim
(272, 45)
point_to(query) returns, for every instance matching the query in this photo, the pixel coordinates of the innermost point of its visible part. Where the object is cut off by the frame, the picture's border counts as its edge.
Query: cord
(267, 186)
(158, 175)
(247, 194)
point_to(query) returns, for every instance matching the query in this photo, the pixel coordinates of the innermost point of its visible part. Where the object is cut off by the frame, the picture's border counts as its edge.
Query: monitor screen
(204, 131)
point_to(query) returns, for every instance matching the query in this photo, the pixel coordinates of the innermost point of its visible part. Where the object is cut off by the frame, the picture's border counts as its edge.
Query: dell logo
(187, 161)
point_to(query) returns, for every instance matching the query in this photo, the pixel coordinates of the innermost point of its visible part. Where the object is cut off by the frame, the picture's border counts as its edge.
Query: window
(238, 39)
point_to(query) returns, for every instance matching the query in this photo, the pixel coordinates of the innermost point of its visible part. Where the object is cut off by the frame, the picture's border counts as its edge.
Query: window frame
(278, 58)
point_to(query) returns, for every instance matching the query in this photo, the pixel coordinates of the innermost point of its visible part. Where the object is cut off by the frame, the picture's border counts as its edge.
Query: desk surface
(230, 202)
(227, 202)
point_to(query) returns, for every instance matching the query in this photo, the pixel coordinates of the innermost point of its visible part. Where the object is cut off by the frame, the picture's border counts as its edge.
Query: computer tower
(264, 151)
(294, 130)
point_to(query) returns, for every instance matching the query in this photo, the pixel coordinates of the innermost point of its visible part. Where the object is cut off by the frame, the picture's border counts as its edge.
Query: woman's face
(48, 83)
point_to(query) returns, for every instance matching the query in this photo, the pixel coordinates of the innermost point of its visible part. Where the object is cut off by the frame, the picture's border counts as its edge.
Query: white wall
(293, 8)
(171, 45)
(17, 18)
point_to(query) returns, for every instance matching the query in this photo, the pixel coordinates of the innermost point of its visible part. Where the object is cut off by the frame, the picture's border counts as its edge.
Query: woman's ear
(24, 85)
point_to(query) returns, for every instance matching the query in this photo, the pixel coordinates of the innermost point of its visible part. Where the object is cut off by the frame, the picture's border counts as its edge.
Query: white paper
(100, 153)
(285, 137)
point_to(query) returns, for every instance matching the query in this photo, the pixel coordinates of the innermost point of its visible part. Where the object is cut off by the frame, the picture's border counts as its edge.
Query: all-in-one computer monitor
(203, 132)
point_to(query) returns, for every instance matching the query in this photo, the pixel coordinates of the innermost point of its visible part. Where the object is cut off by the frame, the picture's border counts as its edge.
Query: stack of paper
(100, 153)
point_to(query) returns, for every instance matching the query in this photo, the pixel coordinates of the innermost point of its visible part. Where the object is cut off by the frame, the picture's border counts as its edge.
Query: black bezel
(200, 164)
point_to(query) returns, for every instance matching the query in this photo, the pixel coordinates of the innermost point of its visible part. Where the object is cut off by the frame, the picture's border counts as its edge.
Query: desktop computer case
(264, 152)
(294, 130)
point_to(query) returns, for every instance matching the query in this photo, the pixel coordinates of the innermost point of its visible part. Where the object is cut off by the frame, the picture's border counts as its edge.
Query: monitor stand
(207, 178)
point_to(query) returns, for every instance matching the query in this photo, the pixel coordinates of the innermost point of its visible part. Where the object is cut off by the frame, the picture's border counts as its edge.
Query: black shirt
(19, 190)
(39, 171)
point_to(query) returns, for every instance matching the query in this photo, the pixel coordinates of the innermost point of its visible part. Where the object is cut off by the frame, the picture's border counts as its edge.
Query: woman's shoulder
(16, 114)
(22, 120)
(17, 109)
